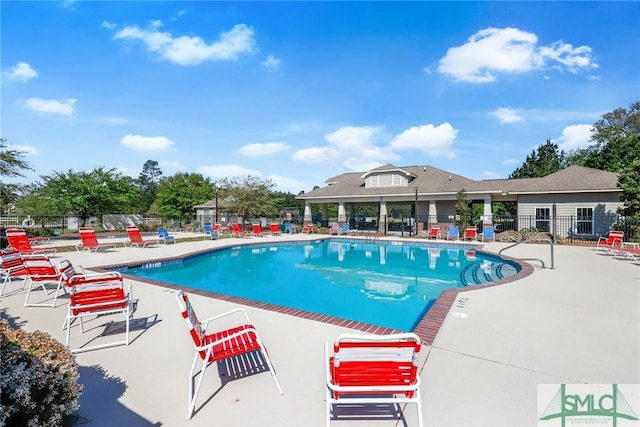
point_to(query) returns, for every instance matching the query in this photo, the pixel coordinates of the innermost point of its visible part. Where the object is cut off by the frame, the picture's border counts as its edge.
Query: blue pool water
(390, 284)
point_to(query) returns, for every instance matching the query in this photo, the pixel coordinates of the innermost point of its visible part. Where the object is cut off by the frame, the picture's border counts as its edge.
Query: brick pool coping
(426, 329)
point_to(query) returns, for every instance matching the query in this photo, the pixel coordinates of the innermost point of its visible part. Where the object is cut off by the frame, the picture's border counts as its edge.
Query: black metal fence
(572, 229)
(560, 228)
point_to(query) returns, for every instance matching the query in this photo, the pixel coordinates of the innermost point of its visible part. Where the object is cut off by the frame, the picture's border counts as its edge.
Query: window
(386, 180)
(584, 220)
(543, 216)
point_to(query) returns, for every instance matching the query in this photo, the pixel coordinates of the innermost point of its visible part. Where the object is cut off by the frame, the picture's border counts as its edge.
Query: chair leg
(194, 394)
(44, 288)
(327, 396)
(68, 322)
(266, 358)
(7, 279)
(419, 403)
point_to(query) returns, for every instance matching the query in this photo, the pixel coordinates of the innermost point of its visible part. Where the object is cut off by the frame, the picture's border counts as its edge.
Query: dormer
(387, 176)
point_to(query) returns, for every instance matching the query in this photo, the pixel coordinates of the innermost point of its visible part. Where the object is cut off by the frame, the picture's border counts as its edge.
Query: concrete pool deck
(577, 323)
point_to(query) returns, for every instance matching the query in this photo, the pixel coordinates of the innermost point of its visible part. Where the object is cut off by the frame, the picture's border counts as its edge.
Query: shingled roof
(430, 180)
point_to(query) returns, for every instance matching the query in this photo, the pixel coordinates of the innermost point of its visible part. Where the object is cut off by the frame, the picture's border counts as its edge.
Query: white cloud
(509, 50)
(123, 170)
(67, 3)
(64, 106)
(351, 146)
(435, 141)
(511, 161)
(357, 164)
(507, 115)
(574, 137)
(146, 143)
(108, 25)
(314, 155)
(226, 171)
(21, 72)
(263, 149)
(171, 164)
(291, 185)
(271, 63)
(191, 50)
(570, 58)
(491, 175)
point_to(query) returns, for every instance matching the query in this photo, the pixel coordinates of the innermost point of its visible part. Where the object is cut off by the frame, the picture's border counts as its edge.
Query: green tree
(87, 194)
(12, 164)
(541, 162)
(616, 138)
(629, 182)
(178, 194)
(248, 196)
(283, 200)
(616, 148)
(148, 182)
(463, 208)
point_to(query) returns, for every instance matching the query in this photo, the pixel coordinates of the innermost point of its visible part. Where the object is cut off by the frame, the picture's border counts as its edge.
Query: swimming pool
(389, 284)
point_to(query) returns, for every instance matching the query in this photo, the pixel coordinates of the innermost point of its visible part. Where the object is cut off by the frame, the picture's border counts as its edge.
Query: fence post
(554, 223)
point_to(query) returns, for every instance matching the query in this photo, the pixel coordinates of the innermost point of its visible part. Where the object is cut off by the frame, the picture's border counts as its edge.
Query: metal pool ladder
(532, 239)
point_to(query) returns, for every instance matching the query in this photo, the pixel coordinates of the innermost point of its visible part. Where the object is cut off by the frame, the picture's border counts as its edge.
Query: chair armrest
(228, 313)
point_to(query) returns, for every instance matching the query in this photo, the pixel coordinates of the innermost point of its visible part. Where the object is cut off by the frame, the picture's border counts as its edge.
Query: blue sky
(298, 92)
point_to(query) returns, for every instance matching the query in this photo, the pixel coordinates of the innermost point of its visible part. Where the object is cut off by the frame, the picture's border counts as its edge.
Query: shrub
(38, 378)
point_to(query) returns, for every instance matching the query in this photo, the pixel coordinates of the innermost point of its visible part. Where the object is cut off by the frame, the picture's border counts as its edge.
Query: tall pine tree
(541, 162)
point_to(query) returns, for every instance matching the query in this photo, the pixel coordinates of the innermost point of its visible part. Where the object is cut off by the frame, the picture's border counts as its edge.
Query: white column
(342, 216)
(433, 211)
(487, 214)
(383, 216)
(307, 213)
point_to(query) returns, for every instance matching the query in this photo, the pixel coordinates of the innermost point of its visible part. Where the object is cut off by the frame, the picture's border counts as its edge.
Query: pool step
(484, 272)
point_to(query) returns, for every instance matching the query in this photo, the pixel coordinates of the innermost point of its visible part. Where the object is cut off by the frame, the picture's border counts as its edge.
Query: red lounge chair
(225, 344)
(372, 370)
(90, 241)
(12, 268)
(98, 299)
(308, 229)
(471, 233)
(72, 275)
(434, 232)
(630, 251)
(256, 230)
(611, 242)
(236, 231)
(135, 238)
(274, 229)
(18, 240)
(41, 272)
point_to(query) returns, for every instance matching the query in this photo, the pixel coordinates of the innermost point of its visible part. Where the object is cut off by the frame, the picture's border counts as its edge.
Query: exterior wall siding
(605, 206)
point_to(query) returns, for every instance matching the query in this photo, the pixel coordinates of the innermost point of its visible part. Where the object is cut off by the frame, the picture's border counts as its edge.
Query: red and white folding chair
(98, 299)
(220, 345)
(372, 369)
(42, 273)
(12, 268)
